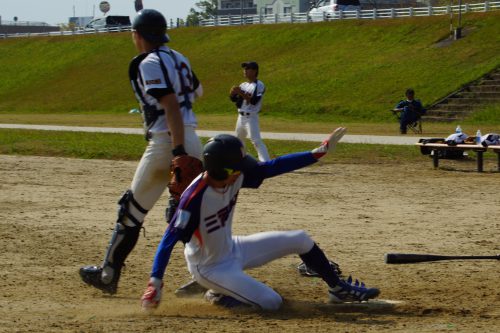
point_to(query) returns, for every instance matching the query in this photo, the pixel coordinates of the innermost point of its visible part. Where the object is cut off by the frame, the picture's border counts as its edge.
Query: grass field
(349, 71)
(131, 147)
(227, 121)
(318, 77)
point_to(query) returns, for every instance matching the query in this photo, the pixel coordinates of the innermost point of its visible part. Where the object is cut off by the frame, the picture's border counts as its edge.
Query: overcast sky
(58, 11)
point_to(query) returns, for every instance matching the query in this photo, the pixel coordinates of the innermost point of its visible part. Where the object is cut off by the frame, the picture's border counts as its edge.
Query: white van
(109, 22)
(328, 9)
(324, 8)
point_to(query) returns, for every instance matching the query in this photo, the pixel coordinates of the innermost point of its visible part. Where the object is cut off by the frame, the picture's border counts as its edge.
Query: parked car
(109, 22)
(328, 8)
(324, 8)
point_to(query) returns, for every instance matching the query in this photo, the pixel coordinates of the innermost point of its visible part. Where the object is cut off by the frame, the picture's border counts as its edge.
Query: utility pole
(458, 32)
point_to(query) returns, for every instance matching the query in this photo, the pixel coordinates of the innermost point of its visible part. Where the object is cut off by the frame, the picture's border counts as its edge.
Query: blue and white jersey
(212, 211)
(204, 218)
(256, 89)
(164, 71)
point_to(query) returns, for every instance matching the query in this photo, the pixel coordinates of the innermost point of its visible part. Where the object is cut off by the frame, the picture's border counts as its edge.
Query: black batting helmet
(224, 152)
(151, 25)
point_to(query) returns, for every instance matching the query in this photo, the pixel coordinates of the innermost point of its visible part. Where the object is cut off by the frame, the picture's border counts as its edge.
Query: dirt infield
(56, 214)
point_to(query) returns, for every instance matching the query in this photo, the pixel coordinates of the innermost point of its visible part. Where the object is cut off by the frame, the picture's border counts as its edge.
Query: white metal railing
(361, 14)
(76, 31)
(67, 32)
(24, 23)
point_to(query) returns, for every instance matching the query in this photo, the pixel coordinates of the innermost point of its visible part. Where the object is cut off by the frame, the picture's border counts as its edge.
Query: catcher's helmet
(151, 25)
(224, 152)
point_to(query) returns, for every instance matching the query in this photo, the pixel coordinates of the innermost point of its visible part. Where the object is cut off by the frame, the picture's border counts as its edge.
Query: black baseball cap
(250, 65)
(224, 152)
(152, 25)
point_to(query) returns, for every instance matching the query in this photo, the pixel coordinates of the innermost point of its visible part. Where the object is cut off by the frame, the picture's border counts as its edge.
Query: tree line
(204, 10)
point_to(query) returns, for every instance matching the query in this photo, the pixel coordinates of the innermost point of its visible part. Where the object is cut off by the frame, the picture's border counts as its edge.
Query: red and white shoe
(152, 296)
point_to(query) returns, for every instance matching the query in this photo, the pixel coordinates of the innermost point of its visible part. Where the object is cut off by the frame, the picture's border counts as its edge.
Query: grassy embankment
(318, 76)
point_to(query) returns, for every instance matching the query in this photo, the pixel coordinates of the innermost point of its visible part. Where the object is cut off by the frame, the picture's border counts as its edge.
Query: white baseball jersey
(166, 70)
(151, 79)
(213, 240)
(248, 118)
(256, 89)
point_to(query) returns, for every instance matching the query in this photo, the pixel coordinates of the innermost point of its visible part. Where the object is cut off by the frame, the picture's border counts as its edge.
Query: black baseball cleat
(347, 291)
(91, 275)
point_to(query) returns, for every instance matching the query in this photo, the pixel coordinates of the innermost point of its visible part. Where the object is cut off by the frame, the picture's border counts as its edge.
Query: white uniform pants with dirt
(153, 172)
(228, 278)
(249, 126)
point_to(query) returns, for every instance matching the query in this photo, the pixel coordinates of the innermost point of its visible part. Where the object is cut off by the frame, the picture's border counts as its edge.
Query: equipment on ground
(408, 258)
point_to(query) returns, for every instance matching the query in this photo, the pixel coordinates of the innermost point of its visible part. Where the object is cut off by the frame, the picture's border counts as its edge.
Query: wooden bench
(496, 149)
(478, 149)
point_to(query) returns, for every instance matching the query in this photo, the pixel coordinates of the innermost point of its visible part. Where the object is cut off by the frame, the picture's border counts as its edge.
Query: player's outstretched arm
(290, 162)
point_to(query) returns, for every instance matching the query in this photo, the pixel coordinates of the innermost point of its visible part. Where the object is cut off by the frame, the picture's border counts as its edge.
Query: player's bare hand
(330, 143)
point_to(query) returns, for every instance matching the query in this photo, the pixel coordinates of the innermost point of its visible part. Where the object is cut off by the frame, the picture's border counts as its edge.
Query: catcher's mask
(223, 155)
(151, 25)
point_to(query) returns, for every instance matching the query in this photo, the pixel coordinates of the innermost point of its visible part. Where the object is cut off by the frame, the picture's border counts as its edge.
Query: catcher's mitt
(183, 170)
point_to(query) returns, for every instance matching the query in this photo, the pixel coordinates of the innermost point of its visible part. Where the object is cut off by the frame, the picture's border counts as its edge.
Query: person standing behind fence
(248, 99)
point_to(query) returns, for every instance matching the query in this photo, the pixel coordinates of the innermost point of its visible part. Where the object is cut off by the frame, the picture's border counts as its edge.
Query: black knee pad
(124, 210)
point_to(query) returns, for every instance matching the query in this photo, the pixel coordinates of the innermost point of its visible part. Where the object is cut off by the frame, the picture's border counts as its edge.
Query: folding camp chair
(415, 127)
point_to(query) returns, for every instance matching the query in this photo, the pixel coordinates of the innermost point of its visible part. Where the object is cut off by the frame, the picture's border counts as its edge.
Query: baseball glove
(183, 170)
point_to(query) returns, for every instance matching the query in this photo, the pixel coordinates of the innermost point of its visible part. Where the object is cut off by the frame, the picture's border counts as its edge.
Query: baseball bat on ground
(409, 258)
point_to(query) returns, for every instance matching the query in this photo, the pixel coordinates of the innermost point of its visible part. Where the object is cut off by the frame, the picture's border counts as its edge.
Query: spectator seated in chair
(409, 111)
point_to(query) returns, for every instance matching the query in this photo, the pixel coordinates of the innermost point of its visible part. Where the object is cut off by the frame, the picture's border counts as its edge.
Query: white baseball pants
(249, 126)
(228, 278)
(153, 172)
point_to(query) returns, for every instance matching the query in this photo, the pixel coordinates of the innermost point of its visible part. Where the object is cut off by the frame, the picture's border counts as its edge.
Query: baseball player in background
(248, 99)
(165, 87)
(216, 258)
